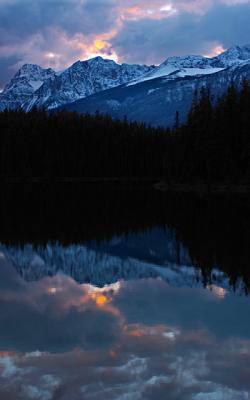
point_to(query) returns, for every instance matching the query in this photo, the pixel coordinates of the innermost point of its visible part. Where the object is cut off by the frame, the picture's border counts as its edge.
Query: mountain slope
(25, 82)
(35, 86)
(156, 101)
(83, 79)
(159, 90)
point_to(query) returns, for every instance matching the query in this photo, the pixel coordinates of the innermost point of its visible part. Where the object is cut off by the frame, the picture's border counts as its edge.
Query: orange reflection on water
(218, 291)
(100, 299)
(136, 333)
(6, 353)
(113, 353)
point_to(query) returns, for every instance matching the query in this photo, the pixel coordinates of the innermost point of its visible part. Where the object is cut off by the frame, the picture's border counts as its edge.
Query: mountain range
(107, 265)
(150, 94)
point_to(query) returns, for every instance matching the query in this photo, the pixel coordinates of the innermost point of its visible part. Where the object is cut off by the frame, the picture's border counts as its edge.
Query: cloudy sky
(56, 33)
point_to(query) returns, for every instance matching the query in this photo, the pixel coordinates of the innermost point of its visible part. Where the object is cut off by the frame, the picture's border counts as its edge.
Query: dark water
(123, 293)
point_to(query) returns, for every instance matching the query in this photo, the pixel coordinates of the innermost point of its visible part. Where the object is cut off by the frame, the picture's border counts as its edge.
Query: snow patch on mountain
(170, 72)
(26, 81)
(83, 79)
(233, 56)
(35, 86)
(195, 65)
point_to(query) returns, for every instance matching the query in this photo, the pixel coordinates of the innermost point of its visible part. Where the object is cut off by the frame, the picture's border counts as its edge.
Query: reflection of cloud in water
(219, 292)
(131, 340)
(181, 371)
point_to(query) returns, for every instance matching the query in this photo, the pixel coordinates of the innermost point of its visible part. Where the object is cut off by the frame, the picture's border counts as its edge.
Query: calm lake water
(123, 294)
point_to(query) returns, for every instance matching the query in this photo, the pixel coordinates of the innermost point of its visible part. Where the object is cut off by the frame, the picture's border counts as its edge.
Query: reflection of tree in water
(215, 230)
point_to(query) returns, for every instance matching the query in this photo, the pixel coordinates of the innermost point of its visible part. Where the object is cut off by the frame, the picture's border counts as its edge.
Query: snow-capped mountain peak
(175, 67)
(26, 81)
(235, 55)
(192, 61)
(34, 72)
(35, 86)
(83, 79)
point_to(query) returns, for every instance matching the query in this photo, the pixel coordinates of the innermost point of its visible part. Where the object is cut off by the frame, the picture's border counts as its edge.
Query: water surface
(123, 295)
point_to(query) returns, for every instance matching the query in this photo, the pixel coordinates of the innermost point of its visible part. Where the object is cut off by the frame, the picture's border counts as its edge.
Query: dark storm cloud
(7, 68)
(229, 25)
(22, 18)
(58, 32)
(150, 40)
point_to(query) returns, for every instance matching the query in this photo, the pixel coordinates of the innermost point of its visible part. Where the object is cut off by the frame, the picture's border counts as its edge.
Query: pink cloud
(90, 28)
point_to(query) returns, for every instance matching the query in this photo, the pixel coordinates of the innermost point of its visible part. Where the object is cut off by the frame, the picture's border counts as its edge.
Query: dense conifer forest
(213, 146)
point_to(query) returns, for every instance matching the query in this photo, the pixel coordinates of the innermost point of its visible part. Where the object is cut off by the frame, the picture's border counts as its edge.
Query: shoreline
(203, 188)
(154, 183)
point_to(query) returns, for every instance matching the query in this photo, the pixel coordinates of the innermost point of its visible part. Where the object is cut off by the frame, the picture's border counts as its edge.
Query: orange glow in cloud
(158, 10)
(85, 47)
(132, 10)
(99, 44)
(216, 51)
(93, 45)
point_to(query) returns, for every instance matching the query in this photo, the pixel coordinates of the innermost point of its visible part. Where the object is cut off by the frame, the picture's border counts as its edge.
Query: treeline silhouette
(214, 229)
(212, 146)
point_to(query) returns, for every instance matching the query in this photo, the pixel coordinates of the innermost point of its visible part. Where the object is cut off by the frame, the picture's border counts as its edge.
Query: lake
(123, 293)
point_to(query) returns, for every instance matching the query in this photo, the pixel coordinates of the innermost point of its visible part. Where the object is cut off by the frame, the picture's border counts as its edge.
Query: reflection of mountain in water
(136, 227)
(100, 268)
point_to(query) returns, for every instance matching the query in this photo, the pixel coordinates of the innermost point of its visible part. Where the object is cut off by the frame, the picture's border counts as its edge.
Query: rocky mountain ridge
(140, 92)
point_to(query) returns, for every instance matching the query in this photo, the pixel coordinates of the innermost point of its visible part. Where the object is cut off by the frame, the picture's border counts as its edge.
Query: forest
(213, 146)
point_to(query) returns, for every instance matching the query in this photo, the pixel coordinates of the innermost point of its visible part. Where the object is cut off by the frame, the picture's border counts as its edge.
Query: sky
(55, 33)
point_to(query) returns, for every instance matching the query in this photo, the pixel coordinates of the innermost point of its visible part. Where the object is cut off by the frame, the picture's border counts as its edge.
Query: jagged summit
(227, 58)
(28, 79)
(34, 71)
(235, 53)
(83, 79)
(231, 54)
(190, 61)
(33, 85)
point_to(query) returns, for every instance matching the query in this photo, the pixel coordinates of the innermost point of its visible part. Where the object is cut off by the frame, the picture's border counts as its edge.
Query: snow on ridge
(33, 85)
(85, 265)
(172, 72)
